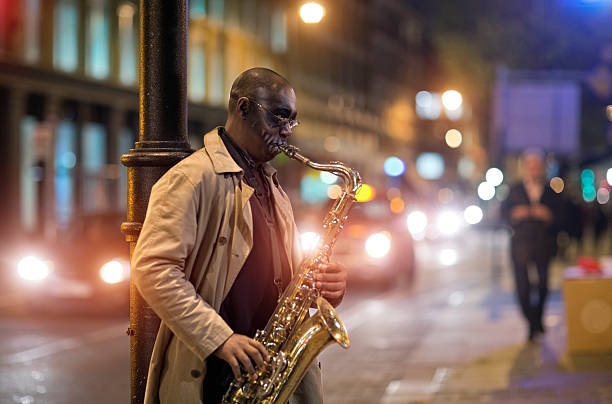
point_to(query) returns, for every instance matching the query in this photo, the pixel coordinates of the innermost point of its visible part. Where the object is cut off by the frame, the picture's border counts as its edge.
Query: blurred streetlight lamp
(453, 138)
(312, 13)
(494, 176)
(452, 100)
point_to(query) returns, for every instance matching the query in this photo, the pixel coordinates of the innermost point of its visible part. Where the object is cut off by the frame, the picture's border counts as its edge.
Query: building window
(97, 63)
(126, 142)
(94, 162)
(31, 33)
(196, 68)
(31, 174)
(127, 44)
(217, 9)
(278, 28)
(65, 161)
(65, 35)
(197, 8)
(216, 78)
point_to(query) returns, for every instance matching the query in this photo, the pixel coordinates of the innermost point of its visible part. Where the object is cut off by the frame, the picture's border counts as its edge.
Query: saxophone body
(292, 338)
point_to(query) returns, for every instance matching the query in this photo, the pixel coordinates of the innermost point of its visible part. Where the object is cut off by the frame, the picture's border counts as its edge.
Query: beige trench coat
(195, 239)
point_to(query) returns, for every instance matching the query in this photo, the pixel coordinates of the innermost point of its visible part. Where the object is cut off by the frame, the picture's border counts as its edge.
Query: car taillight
(32, 269)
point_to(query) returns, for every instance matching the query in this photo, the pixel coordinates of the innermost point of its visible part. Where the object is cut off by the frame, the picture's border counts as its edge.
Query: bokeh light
(494, 176)
(466, 167)
(448, 257)
(603, 196)
(486, 191)
(557, 184)
(328, 178)
(394, 166)
(309, 240)
(473, 214)
(365, 193)
(32, 268)
(416, 221)
(428, 105)
(312, 13)
(445, 195)
(453, 138)
(334, 191)
(452, 99)
(397, 205)
(378, 244)
(393, 193)
(112, 272)
(448, 222)
(430, 166)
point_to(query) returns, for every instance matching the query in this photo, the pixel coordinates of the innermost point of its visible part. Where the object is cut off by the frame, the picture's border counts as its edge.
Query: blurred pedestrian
(217, 247)
(531, 210)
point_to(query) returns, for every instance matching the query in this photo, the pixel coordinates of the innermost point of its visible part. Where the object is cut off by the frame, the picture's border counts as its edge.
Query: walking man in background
(531, 210)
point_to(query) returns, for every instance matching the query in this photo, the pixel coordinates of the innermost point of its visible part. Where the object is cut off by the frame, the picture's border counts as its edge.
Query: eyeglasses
(279, 121)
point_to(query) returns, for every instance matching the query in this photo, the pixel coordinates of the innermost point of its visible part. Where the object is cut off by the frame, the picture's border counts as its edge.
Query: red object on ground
(589, 264)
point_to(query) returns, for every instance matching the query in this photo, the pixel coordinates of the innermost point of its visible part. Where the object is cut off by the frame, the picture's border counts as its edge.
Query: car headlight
(417, 223)
(309, 240)
(448, 223)
(114, 271)
(32, 269)
(378, 244)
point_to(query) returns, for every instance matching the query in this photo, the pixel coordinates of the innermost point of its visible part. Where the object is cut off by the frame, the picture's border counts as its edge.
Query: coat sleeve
(158, 263)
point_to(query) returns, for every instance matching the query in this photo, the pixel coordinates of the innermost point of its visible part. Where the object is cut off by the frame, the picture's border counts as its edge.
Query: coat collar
(222, 161)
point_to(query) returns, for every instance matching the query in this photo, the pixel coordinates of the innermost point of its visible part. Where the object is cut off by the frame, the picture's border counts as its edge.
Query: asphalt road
(81, 358)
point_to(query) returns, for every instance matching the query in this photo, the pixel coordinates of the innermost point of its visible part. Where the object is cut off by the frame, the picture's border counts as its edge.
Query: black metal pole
(162, 143)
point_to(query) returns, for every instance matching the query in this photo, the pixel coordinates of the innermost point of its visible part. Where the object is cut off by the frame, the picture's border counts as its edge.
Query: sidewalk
(486, 358)
(457, 336)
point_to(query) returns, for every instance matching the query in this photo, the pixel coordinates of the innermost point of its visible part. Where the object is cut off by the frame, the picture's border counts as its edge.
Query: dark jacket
(532, 238)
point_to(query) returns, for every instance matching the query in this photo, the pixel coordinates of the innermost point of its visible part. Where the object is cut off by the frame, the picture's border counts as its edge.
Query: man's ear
(243, 105)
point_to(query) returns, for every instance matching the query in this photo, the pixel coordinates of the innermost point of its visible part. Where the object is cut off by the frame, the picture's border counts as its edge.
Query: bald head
(249, 81)
(534, 166)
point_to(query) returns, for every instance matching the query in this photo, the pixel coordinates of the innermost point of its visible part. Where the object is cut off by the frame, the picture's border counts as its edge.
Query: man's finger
(235, 368)
(261, 349)
(256, 356)
(331, 286)
(331, 295)
(332, 277)
(245, 361)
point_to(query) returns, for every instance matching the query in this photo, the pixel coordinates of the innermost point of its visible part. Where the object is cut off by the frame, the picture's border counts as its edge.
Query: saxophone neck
(350, 176)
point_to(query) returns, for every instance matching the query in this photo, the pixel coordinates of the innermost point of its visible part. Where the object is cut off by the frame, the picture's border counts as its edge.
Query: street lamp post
(162, 143)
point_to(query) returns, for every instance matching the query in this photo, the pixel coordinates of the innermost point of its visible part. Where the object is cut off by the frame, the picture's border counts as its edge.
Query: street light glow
(416, 222)
(453, 138)
(452, 100)
(312, 12)
(494, 176)
(473, 214)
(486, 191)
(394, 166)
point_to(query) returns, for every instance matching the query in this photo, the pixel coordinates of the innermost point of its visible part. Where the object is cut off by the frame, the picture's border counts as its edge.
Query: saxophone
(292, 338)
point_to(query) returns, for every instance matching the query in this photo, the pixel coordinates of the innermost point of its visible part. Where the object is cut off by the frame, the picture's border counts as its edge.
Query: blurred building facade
(69, 99)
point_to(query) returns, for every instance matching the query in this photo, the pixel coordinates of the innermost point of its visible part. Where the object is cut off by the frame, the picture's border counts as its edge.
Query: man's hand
(331, 281)
(541, 212)
(241, 350)
(519, 212)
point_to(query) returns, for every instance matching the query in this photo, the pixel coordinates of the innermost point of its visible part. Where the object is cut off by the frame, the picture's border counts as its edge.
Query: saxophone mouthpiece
(288, 149)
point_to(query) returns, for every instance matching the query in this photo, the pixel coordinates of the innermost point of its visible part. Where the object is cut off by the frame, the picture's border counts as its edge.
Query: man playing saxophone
(218, 246)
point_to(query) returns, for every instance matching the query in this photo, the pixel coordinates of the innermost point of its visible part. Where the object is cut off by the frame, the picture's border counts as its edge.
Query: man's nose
(285, 130)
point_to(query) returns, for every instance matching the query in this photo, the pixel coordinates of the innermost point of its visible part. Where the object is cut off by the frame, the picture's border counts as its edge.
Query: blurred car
(87, 268)
(375, 246)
